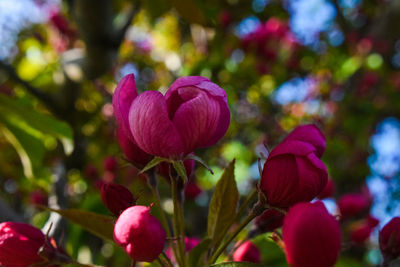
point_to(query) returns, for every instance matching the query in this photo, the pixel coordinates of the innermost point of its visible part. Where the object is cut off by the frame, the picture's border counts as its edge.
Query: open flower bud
(116, 198)
(311, 236)
(389, 239)
(193, 113)
(353, 204)
(19, 244)
(293, 172)
(247, 252)
(140, 234)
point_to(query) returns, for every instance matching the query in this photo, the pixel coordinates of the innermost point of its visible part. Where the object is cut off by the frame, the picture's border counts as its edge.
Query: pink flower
(192, 190)
(389, 239)
(110, 164)
(140, 234)
(247, 252)
(360, 233)
(353, 204)
(190, 243)
(19, 244)
(293, 171)
(116, 198)
(123, 97)
(311, 235)
(193, 113)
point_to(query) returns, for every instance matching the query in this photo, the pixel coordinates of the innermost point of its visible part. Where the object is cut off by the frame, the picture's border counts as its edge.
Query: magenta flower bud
(269, 221)
(140, 234)
(116, 198)
(193, 113)
(247, 252)
(311, 235)
(360, 233)
(192, 190)
(309, 133)
(354, 204)
(190, 243)
(132, 152)
(19, 244)
(293, 172)
(389, 239)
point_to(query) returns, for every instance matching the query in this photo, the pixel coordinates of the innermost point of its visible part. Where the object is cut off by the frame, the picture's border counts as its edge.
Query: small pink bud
(192, 190)
(140, 234)
(360, 233)
(247, 252)
(110, 164)
(311, 235)
(19, 244)
(116, 198)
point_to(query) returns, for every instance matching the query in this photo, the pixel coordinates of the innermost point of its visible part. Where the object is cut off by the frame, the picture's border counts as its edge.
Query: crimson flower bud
(293, 171)
(353, 204)
(140, 234)
(190, 243)
(19, 244)
(389, 239)
(192, 190)
(110, 164)
(116, 198)
(360, 233)
(311, 236)
(247, 252)
(193, 113)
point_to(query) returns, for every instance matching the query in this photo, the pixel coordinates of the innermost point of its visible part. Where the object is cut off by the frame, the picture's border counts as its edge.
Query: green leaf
(99, 225)
(154, 162)
(180, 169)
(199, 160)
(238, 264)
(223, 205)
(189, 11)
(196, 255)
(38, 121)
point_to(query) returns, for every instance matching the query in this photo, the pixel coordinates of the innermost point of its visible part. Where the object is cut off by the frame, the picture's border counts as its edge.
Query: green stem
(243, 207)
(165, 260)
(152, 182)
(178, 222)
(256, 211)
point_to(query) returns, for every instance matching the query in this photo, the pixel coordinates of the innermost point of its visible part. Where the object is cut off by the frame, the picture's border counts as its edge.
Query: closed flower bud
(193, 113)
(140, 234)
(293, 172)
(247, 252)
(192, 190)
(389, 239)
(360, 233)
(311, 235)
(354, 204)
(190, 243)
(110, 164)
(19, 244)
(116, 198)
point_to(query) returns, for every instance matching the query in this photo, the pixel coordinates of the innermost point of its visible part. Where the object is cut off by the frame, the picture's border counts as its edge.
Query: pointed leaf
(223, 205)
(238, 264)
(99, 225)
(196, 255)
(199, 160)
(154, 162)
(180, 169)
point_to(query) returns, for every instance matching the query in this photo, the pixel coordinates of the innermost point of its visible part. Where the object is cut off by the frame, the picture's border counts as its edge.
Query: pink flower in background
(140, 234)
(19, 244)
(190, 243)
(311, 235)
(353, 204)
(293, 171)
(247, 252)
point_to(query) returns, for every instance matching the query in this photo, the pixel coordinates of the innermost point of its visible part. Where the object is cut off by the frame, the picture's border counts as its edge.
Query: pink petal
(151, 127)
(123, 97)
